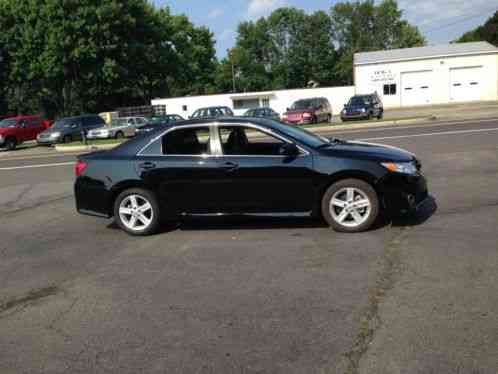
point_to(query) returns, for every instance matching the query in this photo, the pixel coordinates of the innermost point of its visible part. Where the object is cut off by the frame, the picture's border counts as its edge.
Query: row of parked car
(14, 131)
(308, 111)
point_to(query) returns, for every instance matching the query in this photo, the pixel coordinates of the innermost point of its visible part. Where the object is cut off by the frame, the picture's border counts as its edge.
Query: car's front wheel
(350, 205)
(11, 144)
(137, 212)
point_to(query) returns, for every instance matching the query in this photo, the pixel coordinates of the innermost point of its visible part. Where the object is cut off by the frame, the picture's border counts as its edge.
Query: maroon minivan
(314, 110)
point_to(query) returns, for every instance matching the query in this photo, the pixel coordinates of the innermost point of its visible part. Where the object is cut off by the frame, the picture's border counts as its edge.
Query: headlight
(363, 110)
(401, 167)
(104, 132)
(55, 134)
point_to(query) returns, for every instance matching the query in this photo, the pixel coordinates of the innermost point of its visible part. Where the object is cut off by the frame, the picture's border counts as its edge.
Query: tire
(67, 139)
(135, 224)
(358, 218)
(380, 116)
(10, 144)
(329, 118)
(119, 135)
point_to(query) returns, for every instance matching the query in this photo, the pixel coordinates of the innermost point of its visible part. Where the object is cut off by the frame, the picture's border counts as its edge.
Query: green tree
(364, 26)
(487, 32)
(74, 56)
(288, 49)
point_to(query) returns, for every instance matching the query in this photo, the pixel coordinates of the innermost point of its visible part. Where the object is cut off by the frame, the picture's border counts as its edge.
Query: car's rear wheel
(380, 115)
(329, 118)
(137, 212)
(67, 139)
(350, 205)
(119, 135)
(10, 144)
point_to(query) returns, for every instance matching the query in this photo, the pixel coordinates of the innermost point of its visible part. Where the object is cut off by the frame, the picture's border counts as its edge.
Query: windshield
(119, 122)
(302, 104)
(64, 123)
(8, 123)
(158, 120)
(299, 134)
(356, 101)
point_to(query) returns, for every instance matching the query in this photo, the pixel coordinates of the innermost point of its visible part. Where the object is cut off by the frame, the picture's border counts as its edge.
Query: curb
(84, 148)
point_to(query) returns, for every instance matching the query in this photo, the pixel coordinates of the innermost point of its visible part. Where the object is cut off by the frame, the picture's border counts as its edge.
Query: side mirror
(289, 149)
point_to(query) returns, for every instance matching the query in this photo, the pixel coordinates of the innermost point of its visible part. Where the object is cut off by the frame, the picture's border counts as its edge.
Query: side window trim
(173, 128)
(303, 152)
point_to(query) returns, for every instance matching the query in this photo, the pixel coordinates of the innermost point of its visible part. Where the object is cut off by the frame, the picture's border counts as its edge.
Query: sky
(441, 21)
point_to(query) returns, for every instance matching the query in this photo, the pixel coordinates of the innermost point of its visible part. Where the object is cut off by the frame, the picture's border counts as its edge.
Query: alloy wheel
(136, 212)
(350, 207)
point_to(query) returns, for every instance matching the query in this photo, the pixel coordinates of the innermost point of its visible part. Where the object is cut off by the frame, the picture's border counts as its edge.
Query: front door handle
(147, 165)
(230, 166)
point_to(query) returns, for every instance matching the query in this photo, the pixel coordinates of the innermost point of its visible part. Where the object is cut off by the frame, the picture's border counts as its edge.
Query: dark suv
(363, 107)
(67, 130)
(314, 110)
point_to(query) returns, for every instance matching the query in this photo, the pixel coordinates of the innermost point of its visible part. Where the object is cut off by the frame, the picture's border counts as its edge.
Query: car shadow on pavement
(422, 215)
(250, 222)
(281, 221)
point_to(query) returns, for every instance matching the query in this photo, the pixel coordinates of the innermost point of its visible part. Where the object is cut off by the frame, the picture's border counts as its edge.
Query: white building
(241, 102)
(429, 75)
(443, 74)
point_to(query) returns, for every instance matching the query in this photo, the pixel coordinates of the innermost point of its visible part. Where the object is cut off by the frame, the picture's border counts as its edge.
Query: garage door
(465, 84)
(416, 88)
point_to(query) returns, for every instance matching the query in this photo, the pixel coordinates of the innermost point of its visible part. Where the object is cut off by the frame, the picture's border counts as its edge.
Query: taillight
(80, 167)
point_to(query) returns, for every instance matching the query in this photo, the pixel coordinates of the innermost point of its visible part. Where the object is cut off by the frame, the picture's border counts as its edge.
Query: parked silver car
(120, 128)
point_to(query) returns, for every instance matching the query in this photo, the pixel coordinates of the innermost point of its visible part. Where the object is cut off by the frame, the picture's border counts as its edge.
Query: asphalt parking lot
(256, 294)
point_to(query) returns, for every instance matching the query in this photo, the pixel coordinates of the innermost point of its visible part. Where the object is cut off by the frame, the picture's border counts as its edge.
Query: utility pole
(230, 56)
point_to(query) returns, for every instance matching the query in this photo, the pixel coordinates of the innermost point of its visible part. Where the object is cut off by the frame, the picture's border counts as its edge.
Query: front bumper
(98, 136)
(402, 194)
(347, 116)
(48, 141)
(302, 121)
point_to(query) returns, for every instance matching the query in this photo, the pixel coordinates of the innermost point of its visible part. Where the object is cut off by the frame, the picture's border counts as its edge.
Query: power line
(459, 21)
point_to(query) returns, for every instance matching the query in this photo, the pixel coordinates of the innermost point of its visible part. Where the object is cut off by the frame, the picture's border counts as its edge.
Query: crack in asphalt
(13, 212)
(28, 299)
(20, 196)
(371, 321)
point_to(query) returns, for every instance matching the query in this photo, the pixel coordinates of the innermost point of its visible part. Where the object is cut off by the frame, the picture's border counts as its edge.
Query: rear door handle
(147, 165)
(230, 166)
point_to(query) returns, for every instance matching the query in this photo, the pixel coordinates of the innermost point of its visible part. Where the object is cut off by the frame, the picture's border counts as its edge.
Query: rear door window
(192, 141)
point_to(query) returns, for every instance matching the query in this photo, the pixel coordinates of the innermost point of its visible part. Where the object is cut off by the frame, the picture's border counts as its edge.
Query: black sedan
(246, 165)
(156, 121)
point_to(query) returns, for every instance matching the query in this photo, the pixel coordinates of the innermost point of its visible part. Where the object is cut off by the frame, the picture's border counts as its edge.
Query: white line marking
(439, 124)
(431, 134)
(7, 159)
(37, 166)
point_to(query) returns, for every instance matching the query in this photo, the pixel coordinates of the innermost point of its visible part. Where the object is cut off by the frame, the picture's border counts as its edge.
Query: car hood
(300, 111)
(51, 130)
(7, 130)
(368, 151)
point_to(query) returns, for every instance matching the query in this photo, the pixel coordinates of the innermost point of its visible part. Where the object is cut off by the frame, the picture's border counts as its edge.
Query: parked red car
(314, 110)
(16, 130)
